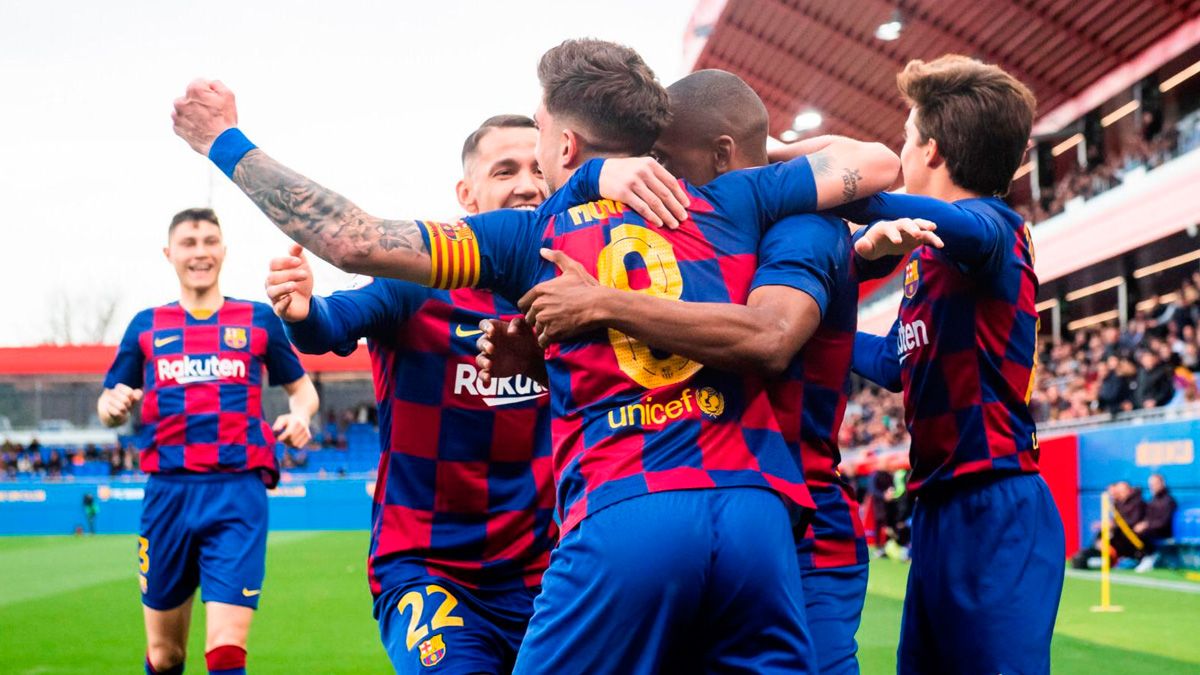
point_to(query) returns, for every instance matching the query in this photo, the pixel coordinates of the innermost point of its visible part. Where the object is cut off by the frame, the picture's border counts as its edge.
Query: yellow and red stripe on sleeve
(453, 254)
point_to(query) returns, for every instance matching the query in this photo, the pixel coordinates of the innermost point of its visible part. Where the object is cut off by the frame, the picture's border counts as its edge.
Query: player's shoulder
(993, 209)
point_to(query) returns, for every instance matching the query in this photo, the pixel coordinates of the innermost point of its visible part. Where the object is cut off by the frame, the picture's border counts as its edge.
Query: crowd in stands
(1104, 370)
(34, 460)
(1154, 146)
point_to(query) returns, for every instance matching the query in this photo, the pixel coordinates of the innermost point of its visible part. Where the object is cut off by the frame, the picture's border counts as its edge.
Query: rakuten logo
(911, 336)
(187, 370)
(502, 391)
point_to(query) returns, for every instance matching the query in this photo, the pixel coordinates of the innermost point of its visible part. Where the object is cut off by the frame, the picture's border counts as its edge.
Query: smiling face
(196, 249)
(503, 172)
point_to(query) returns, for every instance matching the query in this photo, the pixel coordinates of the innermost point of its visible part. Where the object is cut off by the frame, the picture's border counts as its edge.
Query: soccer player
(665, 546)
(988, 543)
(462, 523)
(196, 365)
(797, 327)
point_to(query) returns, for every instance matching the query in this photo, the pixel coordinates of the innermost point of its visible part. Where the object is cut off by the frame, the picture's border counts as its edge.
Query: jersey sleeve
(809, 253)
(875, 358)
(581, 188)
(971, 239)
(283, 366)
(497, 250)
(128, 368)
(766, 195)
(336, 322)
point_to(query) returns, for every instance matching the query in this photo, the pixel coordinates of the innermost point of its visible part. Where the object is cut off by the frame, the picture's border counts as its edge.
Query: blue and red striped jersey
(202, 379)
(464, 489)
(812, 253)
(629, 420)
(963, 347)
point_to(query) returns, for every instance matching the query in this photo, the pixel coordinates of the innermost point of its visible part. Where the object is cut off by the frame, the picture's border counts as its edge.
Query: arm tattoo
(850, 178)
(327, 223)
(820, 163)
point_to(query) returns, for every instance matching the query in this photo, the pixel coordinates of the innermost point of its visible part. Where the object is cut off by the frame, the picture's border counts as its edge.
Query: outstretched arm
(317, 218)
(875, 358)
(844, 169)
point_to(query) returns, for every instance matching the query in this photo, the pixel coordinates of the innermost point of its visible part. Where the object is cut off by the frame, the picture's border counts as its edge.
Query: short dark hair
(471, 145)
(710, 103)
(189, 215)
(980, 115)
(609, 91)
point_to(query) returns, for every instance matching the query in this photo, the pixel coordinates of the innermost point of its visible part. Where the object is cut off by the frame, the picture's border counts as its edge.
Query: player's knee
(165, 655)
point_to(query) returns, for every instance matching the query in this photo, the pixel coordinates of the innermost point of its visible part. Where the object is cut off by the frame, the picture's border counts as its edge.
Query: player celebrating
(798, 327)
(652, 453)
(988, 543)
(206, 446)
(462, 524)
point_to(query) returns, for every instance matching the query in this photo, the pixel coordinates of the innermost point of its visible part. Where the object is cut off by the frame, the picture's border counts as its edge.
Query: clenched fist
(115, 404)
(205, 111)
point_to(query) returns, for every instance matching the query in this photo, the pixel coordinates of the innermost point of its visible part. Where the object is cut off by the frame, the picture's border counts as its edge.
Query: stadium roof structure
(825, 56)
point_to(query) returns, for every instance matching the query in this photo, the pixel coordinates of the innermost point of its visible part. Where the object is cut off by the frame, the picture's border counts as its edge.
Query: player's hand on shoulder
(292, 430)
(506, 348)
(205, 110)
(896, 237)
(290, 285)
(645, 186)
(564, 306)
(115, 404)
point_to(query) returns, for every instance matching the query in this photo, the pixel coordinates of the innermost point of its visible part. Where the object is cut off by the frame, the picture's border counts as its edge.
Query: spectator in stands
(1155, 385)
(8, 460)
(1158, 523)
(54, 464)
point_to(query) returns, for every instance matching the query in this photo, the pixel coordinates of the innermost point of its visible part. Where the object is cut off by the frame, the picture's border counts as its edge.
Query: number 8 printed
(634, 356)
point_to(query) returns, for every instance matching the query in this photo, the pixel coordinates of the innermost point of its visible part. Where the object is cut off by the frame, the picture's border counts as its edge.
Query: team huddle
(609, 397)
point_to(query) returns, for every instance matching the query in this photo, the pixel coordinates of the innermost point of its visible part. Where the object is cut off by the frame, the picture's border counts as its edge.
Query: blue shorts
(682, 581)
(988, 559)
(207, 530)
(834, 599)
(431, 624)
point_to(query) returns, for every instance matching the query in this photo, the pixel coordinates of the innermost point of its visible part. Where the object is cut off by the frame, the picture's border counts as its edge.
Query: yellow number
(441, 618)
(634, 356)
(416, 631)
(143, 554)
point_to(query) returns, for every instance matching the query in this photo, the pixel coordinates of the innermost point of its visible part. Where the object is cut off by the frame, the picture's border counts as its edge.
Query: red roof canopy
(96, 359)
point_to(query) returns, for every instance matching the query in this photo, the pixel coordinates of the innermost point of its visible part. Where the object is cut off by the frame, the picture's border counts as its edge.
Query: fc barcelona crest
(433, 650)
(912, 277)
(235, 338)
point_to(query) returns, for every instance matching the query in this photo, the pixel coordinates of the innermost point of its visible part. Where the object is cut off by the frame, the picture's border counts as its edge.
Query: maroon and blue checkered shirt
(202, 379)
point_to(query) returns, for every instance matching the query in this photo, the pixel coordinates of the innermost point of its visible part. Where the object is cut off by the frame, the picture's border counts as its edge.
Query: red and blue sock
(226, 660)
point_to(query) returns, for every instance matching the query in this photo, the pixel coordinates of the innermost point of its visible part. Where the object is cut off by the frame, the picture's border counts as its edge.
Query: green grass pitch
(70, 605)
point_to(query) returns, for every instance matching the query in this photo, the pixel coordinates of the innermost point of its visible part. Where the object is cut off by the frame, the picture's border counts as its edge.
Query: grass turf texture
(70, 605)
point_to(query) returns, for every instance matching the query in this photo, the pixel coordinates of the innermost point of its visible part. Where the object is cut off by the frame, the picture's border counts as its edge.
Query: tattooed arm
(331, 226)
(317, 218)
(844, 169)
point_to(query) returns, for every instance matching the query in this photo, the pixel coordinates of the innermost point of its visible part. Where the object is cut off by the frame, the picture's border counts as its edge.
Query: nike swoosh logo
(905, 357)
(249, 593)
(158, 342)
(458, 330)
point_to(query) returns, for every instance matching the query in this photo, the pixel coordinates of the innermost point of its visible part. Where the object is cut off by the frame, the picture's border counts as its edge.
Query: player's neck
(941, 187)
(201, 301)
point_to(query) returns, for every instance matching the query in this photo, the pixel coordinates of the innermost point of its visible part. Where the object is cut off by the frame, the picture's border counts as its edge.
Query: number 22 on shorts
(442, 618)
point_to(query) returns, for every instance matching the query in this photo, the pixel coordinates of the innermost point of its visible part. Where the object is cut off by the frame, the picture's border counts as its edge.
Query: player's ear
(167, 253)
(572, 148)
(723, 150)
(466, 197)
(933, 156)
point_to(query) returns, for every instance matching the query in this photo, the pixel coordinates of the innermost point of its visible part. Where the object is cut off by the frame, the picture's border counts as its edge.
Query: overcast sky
(372, 99)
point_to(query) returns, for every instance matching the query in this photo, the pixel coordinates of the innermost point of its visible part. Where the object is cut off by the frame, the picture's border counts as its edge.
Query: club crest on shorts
(912, 277)
(235, 338)
(433, 651)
